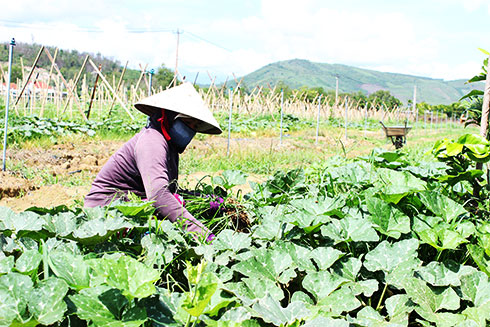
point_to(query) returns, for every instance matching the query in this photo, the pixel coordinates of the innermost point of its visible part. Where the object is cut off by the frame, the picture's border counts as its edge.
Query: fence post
(11, 53)
(415, 105)
(318, 118)
(345, 104)
(365, 120)
(336, 91)
(282, 113)
(229, 121)
(431, 119)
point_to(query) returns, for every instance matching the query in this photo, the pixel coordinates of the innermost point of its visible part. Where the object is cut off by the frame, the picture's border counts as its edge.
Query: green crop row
(376, 241)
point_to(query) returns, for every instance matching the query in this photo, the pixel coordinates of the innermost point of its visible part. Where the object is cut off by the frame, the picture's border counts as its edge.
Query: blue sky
(433, 38)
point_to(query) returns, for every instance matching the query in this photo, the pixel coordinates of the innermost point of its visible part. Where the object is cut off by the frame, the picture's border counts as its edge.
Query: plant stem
(381, 298)
(45, 260)
(439, 255)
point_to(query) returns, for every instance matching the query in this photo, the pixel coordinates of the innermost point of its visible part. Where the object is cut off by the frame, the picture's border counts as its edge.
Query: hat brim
(200, 127)
(182, 99)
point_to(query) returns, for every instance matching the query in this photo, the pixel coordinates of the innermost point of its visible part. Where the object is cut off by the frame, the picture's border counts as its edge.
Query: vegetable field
(380, 240)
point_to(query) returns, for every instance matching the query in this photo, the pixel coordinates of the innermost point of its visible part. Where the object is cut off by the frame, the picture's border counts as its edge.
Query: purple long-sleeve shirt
(147, 166)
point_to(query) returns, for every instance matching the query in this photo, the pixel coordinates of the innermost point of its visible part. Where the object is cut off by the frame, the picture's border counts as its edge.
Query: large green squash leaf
(480, 257)
(387, 219)
(236, 317)
(6, 263)
(322, 283)
(398, 308)
(319, 207)
(133, 278)
(442, 237)
(46, 301)
(337, 303)
(431, 300)
(96, 231)
(271, 311)
(392, 185)
(386, 257)
(158, 250)
(230, 179)
(163, 308)
(301, 256)
(142, 209)
(62, 224)
(348, 268)
(371, 318)
(71, 268)
(326, 321)
(476, 288)
(250, 289)
(28, 261)
(18, 222)
(447, 273)
(442, 206)
(15, 290)
(220, 299)
(106, 306)
(267, 263)
(350, 229)
(230, 240)
(308, 222)
(325, 257)
(355, 173)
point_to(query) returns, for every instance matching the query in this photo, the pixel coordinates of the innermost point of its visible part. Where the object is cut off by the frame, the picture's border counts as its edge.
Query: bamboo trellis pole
(110, 88)
(66, 85)
(73, 91)
(30, 74)
(47, 83)
(118, 88)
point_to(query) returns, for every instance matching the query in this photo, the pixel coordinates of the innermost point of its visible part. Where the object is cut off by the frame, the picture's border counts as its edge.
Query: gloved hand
(210, 238)
(180, 199)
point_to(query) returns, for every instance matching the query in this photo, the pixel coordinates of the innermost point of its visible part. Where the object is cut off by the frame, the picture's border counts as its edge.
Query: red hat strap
(164, 125)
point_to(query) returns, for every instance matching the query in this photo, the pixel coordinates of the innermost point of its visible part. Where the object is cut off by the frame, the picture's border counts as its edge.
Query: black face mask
(181, 135)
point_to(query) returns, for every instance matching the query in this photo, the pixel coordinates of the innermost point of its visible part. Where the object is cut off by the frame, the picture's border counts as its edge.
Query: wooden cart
(397, 134)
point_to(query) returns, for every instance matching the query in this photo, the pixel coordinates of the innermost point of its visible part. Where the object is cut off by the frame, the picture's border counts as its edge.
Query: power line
(203, 39)
(14, 24)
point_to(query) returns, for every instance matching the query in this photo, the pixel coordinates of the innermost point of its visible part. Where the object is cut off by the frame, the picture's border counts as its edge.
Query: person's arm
(151, 154)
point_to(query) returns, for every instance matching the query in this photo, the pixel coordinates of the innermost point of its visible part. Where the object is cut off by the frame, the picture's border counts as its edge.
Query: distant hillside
(297, 73)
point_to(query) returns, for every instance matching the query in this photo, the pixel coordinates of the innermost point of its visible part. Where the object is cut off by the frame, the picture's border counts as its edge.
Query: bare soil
(44, 177)
(39, 174)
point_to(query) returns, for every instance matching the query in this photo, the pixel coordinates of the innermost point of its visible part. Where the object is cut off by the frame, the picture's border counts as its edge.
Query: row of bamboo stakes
(77, 97)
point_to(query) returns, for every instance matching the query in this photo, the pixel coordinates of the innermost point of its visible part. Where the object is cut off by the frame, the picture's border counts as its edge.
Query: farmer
(147, 165)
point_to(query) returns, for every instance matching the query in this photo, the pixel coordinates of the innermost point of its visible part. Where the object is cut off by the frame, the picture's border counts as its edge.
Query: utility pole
(177, 57)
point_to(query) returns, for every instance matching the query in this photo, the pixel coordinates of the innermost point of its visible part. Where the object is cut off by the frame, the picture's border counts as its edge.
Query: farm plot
(375, 241)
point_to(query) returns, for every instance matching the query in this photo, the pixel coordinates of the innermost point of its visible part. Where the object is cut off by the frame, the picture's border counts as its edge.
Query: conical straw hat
(182, 99)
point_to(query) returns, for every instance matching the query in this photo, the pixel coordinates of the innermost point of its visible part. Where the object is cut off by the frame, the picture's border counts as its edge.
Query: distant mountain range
(297, 73)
